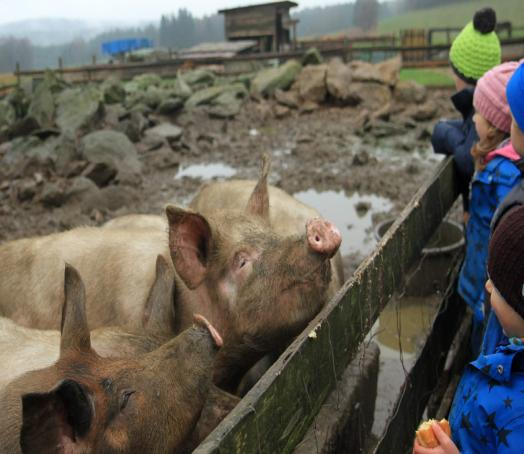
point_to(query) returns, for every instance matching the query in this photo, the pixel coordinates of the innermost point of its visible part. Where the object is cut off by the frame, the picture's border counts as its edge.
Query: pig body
(86, 403)
(117, 266)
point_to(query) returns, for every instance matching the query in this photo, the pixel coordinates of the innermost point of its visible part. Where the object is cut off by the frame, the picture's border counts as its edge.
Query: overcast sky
(122, 10)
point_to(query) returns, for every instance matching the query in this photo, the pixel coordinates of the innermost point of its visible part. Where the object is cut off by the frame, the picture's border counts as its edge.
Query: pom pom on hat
(477, 48)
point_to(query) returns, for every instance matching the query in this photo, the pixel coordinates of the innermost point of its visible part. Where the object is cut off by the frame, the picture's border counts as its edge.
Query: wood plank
(276, 413)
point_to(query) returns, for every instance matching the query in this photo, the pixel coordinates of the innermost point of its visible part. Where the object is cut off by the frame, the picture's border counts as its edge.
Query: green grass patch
(427, 77)
(456, 15)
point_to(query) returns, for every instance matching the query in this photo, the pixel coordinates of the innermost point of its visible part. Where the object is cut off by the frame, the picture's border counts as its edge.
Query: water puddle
(206, 171)
(351, 214)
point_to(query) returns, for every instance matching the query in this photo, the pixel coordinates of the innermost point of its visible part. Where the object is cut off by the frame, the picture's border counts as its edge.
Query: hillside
(454, 15)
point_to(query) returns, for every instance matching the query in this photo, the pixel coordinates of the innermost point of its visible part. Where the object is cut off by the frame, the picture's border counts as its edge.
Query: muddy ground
(356, 176)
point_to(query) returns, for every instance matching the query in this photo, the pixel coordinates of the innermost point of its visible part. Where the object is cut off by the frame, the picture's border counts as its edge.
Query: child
(515, 96)
(487, 415)
(495, 175)
(475, 51)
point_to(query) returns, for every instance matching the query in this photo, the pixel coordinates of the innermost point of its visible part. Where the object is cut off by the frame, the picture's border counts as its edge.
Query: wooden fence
(276, 413)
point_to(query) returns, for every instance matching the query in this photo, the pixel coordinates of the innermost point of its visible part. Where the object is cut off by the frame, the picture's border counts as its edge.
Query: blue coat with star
(489, 187)
(487, 415)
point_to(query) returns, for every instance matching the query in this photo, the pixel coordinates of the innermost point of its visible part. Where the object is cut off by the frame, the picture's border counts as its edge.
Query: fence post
(93, 59)
(17, 73)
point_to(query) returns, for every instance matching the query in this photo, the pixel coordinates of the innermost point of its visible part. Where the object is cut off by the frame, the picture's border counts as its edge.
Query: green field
(428, 77)
(455, 15)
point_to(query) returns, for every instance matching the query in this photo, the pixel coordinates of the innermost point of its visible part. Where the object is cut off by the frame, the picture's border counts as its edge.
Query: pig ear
(56, 418)
(258, 203)
(74, 329)
(189, 242)
(159, 313)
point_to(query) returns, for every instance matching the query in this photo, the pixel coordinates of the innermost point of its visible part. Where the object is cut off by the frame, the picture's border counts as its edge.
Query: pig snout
(200, 320)
(323, 237)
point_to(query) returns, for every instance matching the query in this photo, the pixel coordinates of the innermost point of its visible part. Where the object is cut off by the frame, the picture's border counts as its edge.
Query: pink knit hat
(490, 95)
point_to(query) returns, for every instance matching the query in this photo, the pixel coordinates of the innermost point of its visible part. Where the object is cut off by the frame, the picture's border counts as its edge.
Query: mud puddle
(351, 214)
(206, 171)
(399, 331)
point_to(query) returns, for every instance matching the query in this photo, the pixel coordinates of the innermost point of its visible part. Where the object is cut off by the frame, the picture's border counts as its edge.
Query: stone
(113, 91)
(312, 57)
(380, 128)
(132, 124)
(338, 80)
(268, 80)
(311, 83)
(42, 107)
(79, 189)
(361, 158)
(23, 127)
(199, 76)
(181, 89)
(208, 95)
(78, 110)
(144, 81)
(170, 106)
(116, 151)
(425, 112)
(390, 70)
(308, 107)
(52, 195)
(26, 189)
(100, 173)
(227, 104)
(288, 98)
(7, 114)
(370, 95)
(410, 92)
(281, 111)
(163, 158)
(167, 131)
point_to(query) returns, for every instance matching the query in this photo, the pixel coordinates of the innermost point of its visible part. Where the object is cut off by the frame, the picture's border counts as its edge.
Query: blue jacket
(487, 415)
(489, 187)
(456, 137)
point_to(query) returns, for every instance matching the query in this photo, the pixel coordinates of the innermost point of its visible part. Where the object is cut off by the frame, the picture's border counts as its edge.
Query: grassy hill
(456, 15)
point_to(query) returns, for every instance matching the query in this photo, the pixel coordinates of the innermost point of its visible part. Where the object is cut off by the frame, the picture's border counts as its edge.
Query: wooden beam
(276, 413)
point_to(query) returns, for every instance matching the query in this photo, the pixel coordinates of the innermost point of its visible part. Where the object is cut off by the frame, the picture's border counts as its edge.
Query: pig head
(85, 403)
(260, 289)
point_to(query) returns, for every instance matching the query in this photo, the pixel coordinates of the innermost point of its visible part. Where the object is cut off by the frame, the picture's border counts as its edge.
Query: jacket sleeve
(449, 138)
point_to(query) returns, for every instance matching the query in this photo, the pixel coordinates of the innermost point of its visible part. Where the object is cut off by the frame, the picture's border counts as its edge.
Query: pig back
(288, 216)
(117, 266)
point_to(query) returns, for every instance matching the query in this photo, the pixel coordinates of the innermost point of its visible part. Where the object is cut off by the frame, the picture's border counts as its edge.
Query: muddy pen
(379, 357)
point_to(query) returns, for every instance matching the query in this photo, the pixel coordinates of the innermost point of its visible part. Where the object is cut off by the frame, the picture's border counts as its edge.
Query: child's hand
(465, 218)
(446, 444)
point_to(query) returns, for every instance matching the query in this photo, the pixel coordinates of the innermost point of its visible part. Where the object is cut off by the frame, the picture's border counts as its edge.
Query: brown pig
(85, 403)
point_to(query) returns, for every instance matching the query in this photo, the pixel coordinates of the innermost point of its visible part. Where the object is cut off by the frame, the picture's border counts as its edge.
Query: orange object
(425, 435)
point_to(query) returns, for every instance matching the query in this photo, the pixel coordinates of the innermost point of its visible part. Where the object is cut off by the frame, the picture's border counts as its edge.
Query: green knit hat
(477, 48)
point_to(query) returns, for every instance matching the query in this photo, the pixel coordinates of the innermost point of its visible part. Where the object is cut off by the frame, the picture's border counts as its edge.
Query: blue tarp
(125, 45)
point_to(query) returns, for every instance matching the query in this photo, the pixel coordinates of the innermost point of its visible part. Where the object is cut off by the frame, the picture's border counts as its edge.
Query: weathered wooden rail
(169, 68)
(276, 413)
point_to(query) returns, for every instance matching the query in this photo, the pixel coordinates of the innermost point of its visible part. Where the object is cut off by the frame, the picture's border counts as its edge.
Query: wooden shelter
(270, 24)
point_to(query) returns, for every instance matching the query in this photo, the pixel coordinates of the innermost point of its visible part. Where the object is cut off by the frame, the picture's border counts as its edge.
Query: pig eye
(241, 262)
(125, 399)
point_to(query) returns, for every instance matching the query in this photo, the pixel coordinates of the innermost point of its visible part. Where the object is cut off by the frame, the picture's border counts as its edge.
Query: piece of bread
(425, 436)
